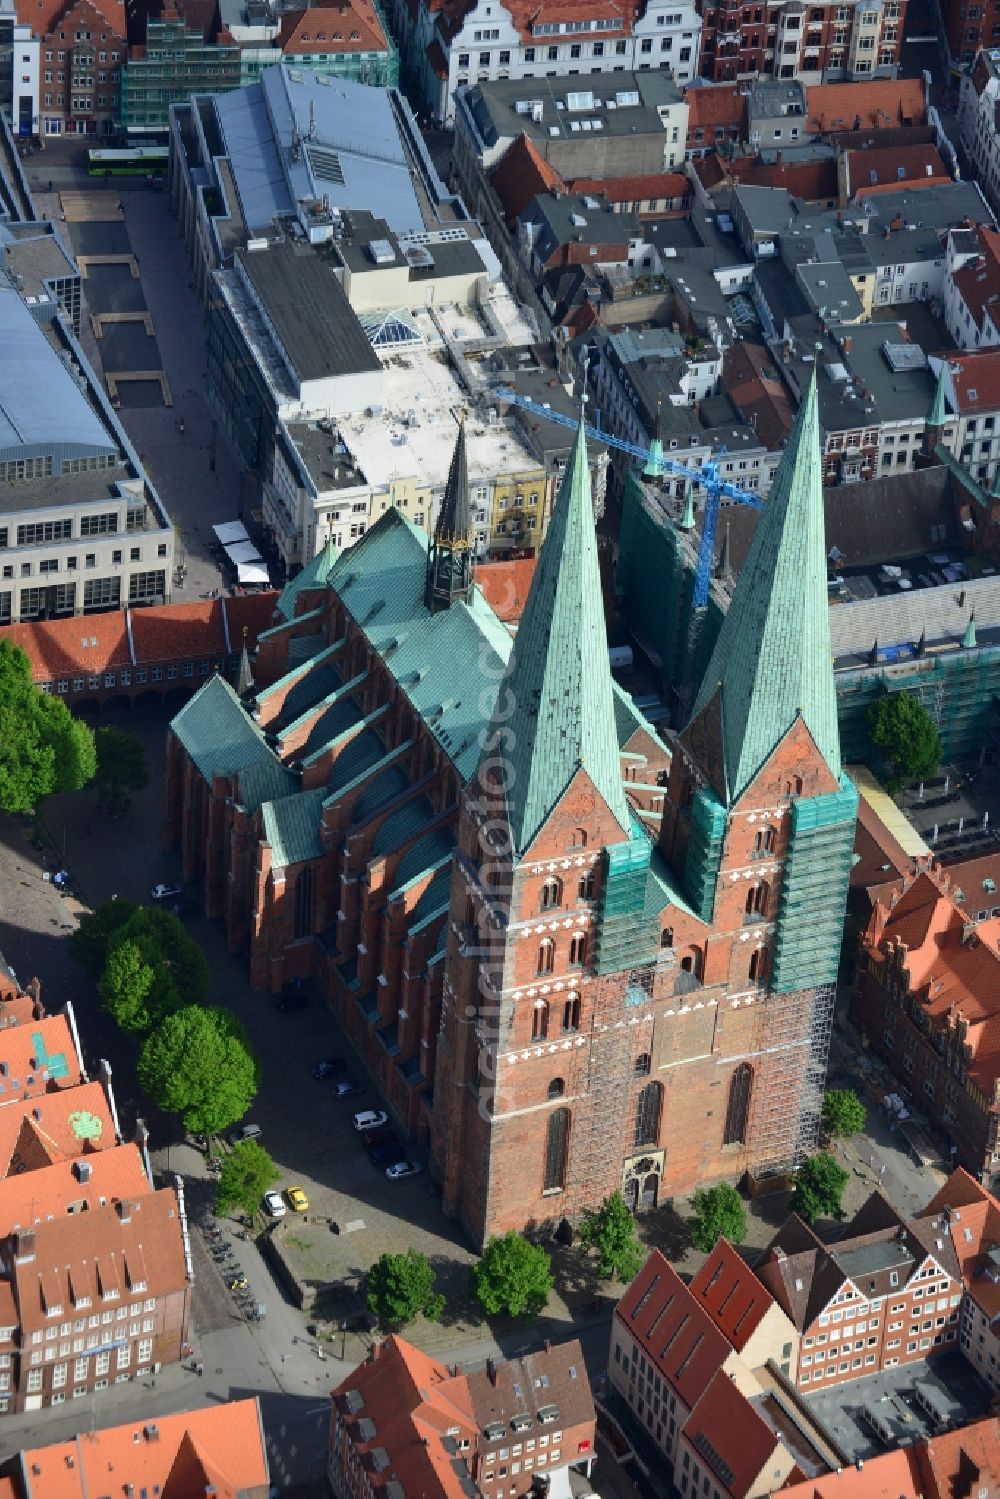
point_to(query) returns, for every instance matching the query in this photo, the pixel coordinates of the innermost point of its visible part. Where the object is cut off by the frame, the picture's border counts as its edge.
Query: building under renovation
(572, 957)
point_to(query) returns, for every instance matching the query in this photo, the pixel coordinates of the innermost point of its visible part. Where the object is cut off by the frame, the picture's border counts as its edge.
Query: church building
(572, 957)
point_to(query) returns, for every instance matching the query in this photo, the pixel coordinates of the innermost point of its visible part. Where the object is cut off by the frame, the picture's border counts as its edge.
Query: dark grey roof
(494, 105)
(934, 208)
(309, 311)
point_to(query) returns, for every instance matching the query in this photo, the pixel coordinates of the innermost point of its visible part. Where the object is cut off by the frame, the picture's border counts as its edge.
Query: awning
(243, 551)
(252, 572)
(231, 531)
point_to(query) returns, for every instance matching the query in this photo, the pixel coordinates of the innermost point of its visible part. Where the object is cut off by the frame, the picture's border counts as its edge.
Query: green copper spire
(555, 705)
(969, 638)
(938, 414)
(244, 681)
(772, 662)
(687, 519)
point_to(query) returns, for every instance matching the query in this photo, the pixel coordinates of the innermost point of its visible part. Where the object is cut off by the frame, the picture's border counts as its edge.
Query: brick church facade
(572, 957)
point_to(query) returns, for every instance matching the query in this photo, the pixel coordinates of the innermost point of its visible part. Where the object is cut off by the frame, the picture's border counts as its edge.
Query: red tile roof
(970, 1215)
(348, 26)
(176, 632)
(751, 378)
(220, 1445)
(635, 189)
(839, 106)
(889, 1475)
(52, 1191)
(120, 1246)
(882, 169)
(673, 1328)
(505, 585)
(730, 1437)
(73, 1121)
(715, 104)
(978, 281)
(520, 175)
(975, 379)
(965, 1461)
(814, 181)
(31, 1054)
(732, 1295)
(254, 611)
(59, 647)
(44, 16)
(882, 860)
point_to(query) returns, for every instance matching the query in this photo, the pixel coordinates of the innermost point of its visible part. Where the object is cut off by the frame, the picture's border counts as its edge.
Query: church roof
(313, 575)
(217, 732)
(558, 678)
(772, 661)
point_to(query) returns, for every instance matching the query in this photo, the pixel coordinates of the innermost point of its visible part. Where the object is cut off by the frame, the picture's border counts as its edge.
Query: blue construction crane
(655, 462)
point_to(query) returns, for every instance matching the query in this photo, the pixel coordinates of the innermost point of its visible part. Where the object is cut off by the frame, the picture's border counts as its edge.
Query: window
(556, 1143)
(102, 593)
(643, 1064)
(579, 838)
(146, 585)
(758, 965)
(546, 955)
(540, 1021)
(763, 842)
(756, 901)
(647, 1115)
(556, 1088)
(42, 531)
(738, 1107)
(304, 902)
(578, 951)
(551, 894)
(98, 525)
(585, 887)
(571, 1013)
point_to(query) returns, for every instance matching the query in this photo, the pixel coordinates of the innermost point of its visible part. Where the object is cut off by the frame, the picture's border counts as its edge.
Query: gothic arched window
(647, 1115)
(304, 895)
(556, 1146)
(546, 955)
(738, 1108)
(540, 1021)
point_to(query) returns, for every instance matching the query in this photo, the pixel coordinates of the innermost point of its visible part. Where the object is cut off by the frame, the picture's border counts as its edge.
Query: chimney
(847, 343)
(125, 1211)
(82, 1170)
(24, 1250)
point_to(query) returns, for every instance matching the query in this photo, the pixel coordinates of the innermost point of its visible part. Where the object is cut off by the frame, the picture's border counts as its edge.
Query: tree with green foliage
(92, 938)
(247, 1172)
(43, 748)
(401, 1287)
(513, 1277)
(718, 1214)
(819, 1187)
(121, 767)
(161, 970)
(611, 1231)
(843, 1114)
(126, 984)
(900, 726)
(197, 1063)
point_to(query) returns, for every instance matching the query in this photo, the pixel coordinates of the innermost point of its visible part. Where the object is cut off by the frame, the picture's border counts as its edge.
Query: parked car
(166, 892)
(246, 1132)
(291, 999)
(297, 1199)
(273, 1204)
(347, 1089)
(399, 1169)
(329, 1066)
(370, 1119)
(378, 1136)
(386, 1153)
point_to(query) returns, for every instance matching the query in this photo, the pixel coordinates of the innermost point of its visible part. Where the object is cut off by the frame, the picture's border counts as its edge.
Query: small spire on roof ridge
(723, 568)
(969, 641)
(922, 643)
(873, 654)
(687, 519)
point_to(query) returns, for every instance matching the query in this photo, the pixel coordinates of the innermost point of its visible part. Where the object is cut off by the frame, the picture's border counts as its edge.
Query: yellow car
(297, 1200)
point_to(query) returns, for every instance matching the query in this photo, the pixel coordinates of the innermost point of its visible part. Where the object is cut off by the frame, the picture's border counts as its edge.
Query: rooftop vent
(381, 252)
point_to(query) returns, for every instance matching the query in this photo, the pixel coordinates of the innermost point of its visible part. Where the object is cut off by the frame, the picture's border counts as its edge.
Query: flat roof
(621, 103)
(41, 405)
(351, 149)
(310, 313)
(414, 435)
